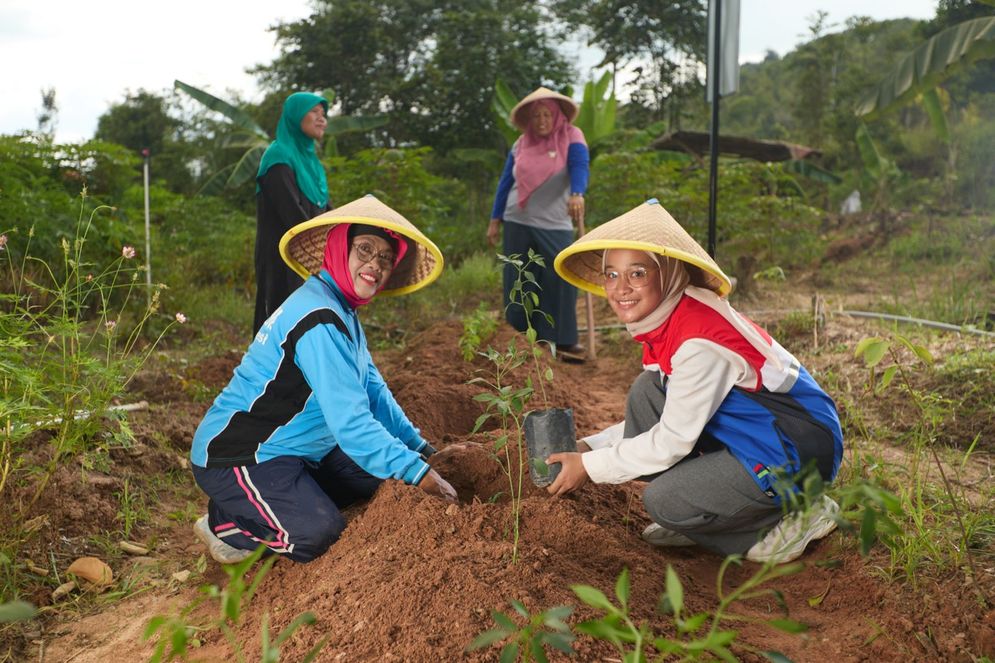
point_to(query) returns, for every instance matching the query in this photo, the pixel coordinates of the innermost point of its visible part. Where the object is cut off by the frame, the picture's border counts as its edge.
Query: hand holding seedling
(572, 473)
(433, 484)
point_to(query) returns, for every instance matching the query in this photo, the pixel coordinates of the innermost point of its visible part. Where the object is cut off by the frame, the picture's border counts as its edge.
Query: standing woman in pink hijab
(539, 199)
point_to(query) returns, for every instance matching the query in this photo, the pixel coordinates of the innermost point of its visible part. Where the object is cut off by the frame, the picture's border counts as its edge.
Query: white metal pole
(148, 239)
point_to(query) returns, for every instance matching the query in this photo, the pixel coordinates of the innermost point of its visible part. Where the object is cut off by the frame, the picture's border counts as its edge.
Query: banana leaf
(342, 124)
(238, 116)
(597, 114)
(215, 184)
(504, 101)
(934, 108)
(247, 166)
(930, 62)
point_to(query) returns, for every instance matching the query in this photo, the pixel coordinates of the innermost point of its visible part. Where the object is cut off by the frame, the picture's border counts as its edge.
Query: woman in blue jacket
(307, 424)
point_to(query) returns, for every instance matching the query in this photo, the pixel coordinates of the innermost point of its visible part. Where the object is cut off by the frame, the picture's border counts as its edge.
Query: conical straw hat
(519, 115)
(303, 246)
(648, 227)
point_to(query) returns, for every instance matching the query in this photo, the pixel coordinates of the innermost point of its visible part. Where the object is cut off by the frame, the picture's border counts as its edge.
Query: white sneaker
(219, 550)
(787, 541)
(658, 535)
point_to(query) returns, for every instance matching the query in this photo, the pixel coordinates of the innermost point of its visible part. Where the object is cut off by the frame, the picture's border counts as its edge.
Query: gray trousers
(708, 496)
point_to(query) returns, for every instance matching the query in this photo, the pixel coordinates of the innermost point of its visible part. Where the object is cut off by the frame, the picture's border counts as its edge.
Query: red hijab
(336, 260)
(538, 158)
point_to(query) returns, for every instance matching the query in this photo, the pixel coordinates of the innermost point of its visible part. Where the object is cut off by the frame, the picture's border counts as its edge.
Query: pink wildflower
(180, 318)
(3, 242)
(110, 324)
(128, 252)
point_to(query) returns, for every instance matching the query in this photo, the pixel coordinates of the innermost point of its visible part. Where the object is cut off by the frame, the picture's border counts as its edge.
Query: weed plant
(177, 634)
(930, 534)
(71, 337)
(478, 328)
(508, 399)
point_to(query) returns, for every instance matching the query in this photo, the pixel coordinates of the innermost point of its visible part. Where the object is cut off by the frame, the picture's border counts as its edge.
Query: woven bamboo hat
(519, 115)
(648, 227)
(303, 246)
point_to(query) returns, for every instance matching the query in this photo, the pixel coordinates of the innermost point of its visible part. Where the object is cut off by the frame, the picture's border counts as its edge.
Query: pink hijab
(336, 261)
(539, 158)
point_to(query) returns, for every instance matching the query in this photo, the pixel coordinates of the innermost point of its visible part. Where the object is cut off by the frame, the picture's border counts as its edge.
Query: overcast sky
(93, 52)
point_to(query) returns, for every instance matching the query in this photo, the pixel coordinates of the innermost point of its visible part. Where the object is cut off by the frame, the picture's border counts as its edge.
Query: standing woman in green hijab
(290, 188)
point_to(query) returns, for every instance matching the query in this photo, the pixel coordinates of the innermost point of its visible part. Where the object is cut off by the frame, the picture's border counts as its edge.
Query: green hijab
(296, 149)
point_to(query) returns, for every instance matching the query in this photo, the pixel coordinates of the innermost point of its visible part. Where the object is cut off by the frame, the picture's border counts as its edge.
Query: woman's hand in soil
(433, 484)
(572, 473)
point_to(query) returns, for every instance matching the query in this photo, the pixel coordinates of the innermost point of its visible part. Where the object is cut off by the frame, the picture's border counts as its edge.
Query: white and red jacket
(729, 380)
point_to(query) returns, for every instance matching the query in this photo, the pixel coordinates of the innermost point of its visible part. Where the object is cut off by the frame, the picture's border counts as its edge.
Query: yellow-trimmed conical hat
(648, 227)
(519, 115)
(303, 246)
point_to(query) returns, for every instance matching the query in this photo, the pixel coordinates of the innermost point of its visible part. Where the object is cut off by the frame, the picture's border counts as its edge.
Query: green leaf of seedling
(694, 622)
(788, 625)
(510, 653)
(594, 598)
(873, 350)
(486, 639)
(555, 618)
(887, 377)
(675, 590)
(868, 531)
(548, 374)
(531, 335)
(538, 654)
(541, 468)
(776, 657)
(601, 629)
(300, 620)
(504, 621)
(924, 355)
(559, 641)
(520, 608)
(622, 587)
(500, 443)
(665, 646)
(481, 420)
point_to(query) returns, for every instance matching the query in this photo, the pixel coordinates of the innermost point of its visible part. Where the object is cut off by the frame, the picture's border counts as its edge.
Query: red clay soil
(414, 578)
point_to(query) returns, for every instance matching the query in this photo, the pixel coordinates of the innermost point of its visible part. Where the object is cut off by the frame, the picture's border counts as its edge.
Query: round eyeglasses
(636, 277)
(367, 253)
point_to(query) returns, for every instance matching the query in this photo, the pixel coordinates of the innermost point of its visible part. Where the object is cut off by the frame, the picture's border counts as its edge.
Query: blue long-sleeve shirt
(547, 205)
(306, 385)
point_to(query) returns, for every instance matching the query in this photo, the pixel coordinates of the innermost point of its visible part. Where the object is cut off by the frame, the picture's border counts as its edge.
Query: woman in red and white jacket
(723, 423)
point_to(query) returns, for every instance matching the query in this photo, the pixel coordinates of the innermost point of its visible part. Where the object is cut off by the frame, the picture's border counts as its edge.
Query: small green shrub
(478, 328)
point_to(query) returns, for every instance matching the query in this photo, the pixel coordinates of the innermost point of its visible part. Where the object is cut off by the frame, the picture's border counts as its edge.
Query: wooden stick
(592, 352)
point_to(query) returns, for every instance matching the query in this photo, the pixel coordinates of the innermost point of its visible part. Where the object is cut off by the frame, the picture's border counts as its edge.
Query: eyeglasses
(367, 252)
(637, 277)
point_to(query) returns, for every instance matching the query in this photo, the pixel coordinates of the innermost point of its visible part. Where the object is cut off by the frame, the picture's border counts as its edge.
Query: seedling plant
(508, 400)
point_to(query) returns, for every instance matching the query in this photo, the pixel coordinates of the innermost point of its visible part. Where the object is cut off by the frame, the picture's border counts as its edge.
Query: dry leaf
(132, 548)
(92, 570)
(63, 590)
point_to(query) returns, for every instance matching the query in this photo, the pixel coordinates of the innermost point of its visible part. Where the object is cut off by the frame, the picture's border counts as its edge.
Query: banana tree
(252, 138)
(883, 172)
